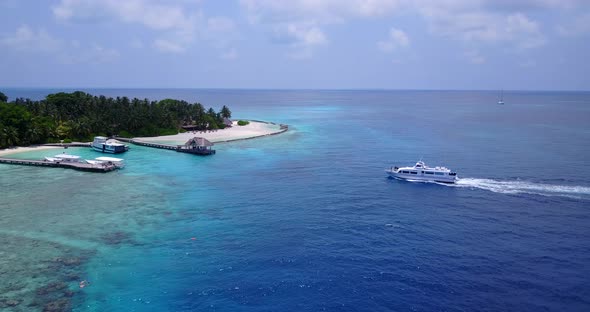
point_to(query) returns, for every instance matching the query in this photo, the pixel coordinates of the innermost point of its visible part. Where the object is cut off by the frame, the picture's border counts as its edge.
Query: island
(78, 117)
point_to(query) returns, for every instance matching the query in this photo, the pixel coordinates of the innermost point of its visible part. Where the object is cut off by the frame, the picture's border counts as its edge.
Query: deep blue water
(308, 221)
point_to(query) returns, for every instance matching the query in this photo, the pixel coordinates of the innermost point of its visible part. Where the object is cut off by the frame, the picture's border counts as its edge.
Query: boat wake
(519, 187)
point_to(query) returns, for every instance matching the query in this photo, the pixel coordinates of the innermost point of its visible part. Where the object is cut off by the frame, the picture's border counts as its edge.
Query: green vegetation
(225, 112)
(243, 122)
(79, 116)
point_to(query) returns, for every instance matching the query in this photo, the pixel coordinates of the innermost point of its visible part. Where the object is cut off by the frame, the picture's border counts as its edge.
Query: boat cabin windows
(413, 172)
(439, 173)
(428, 172)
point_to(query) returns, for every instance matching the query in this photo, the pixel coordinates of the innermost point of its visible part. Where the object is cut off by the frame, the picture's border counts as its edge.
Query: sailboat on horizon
(501, 101)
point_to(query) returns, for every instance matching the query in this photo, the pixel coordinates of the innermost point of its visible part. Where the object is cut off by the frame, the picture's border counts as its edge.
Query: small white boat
(64, 158)
(421, 172)
(102, 144)
(501, 101)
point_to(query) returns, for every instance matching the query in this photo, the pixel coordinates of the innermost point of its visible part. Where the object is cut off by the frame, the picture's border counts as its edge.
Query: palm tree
(64, 130)
(33, 134)
(3, 143)
(11, 136)
(225, 112)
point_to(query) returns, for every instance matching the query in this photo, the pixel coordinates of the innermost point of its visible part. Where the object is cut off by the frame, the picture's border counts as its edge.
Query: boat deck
(69, 165)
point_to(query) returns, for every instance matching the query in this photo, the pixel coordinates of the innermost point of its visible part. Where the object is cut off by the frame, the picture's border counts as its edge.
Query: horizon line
(286, 89)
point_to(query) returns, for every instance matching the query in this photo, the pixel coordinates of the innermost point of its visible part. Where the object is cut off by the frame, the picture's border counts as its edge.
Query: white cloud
(301, 37)
(173, 21)
(221, 31)
(324, 10)
(27, 39)
(483, 21)
(516, 29)
(299, 22)
(152, 15)
(306, 35)
(397, 39)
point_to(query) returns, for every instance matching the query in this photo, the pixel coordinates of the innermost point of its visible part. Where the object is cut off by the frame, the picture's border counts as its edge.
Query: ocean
(308, 220)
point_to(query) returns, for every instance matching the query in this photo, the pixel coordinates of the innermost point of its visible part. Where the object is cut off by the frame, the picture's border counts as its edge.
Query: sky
(296, 44)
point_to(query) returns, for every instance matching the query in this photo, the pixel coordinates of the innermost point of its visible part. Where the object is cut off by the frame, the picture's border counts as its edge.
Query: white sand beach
(14, 150)
(251, 130)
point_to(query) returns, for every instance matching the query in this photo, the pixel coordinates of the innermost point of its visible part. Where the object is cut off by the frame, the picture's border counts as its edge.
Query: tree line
(79, 116)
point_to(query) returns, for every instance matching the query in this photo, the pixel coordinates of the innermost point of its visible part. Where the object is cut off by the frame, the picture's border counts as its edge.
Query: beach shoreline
(22, 149)
(254, 129)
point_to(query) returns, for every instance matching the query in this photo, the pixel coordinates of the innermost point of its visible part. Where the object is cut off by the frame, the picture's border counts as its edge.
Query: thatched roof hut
(227, 122)
(198, 142)
(196, 145)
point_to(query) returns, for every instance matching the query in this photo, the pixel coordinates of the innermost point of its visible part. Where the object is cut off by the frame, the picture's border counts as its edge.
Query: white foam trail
(516, 187)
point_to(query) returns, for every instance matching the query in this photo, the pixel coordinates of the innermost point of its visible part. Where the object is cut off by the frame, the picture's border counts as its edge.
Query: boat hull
(422, 177)
(105, 148)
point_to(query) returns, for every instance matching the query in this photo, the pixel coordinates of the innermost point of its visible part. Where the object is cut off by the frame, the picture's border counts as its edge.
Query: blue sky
(321, 44)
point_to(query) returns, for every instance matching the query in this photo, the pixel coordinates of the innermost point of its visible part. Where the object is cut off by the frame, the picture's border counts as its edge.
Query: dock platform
(66, 145)
(68, 165)
(178, 148)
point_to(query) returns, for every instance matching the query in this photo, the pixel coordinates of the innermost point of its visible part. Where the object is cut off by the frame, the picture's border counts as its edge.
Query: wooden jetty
(198, 146)
(194, 146)
(69, 165)
(66, 145)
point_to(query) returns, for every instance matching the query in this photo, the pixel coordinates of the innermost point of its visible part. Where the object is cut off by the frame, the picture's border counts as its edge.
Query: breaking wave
(518, 187)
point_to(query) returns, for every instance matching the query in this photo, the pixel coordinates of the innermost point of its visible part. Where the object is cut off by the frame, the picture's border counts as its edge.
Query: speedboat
(64, 158)
(101, 144)
(421, 172)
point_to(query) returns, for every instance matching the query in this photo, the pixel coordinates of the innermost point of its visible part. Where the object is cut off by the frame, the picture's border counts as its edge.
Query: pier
(178, 148)
(66, 145)
(69, 165)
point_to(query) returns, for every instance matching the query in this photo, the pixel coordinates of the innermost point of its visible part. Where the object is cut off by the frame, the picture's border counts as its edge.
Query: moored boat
(64, 158)
(118, 162)
(421, 172)
(102, 144)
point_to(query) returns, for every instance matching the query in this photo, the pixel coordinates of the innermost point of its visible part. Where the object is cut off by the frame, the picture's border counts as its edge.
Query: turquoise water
(307, 220)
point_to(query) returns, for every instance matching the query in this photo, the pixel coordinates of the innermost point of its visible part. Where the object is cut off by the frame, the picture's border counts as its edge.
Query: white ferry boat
(421, 172)
(101, 144)
(117, 162)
